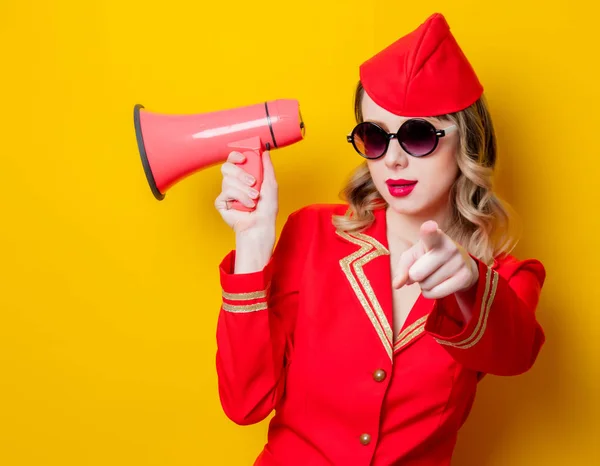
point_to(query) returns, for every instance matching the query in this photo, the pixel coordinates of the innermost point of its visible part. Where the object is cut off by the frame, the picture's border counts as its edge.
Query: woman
(370, 325)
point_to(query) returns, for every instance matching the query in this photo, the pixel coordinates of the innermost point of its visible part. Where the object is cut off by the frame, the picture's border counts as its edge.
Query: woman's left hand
(438, 264)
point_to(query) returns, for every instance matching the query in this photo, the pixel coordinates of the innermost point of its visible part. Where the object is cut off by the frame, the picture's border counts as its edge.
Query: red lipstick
(401, 187)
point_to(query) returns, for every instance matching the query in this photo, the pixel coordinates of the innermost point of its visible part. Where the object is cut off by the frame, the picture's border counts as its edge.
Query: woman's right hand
(238, 185)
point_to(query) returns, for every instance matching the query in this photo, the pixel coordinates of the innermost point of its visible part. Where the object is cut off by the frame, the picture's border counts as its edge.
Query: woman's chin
(403, 205)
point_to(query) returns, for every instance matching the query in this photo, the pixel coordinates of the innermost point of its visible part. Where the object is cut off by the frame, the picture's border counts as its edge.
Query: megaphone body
(172, 147)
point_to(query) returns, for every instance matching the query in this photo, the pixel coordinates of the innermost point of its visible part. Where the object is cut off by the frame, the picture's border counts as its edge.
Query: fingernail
(253, 193)
(250, 180)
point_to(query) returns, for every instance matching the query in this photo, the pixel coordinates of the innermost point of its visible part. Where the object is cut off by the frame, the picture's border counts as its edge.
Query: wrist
(253, 251)
(263, 238)
(467, 294)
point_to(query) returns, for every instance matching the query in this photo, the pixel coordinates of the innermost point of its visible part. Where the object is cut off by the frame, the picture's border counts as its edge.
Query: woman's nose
(395, 155)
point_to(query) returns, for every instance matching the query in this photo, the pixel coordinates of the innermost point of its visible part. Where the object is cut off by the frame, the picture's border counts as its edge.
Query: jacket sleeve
(503, 336)
(255, 330)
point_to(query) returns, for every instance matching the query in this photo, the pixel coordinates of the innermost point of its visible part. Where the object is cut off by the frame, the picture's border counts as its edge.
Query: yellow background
(109, 298)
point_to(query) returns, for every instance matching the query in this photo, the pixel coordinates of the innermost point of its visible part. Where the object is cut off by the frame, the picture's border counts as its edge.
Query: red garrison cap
(424, 73)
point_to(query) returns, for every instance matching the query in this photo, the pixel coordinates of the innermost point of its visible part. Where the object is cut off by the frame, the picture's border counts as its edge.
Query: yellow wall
(109, 298)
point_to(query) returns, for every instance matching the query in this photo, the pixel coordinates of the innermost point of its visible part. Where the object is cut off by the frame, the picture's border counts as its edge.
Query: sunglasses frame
(439, 133)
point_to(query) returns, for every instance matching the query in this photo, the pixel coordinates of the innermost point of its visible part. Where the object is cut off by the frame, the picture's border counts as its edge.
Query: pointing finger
(431, 236)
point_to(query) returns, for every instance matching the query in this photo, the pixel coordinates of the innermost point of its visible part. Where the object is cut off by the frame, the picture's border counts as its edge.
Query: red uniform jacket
(311, 337)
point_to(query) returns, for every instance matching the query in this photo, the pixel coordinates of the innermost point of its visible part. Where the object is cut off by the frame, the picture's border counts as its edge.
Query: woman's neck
(407, 227)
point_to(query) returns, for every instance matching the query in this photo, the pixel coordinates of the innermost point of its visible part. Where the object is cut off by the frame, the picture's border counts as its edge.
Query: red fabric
(306, 336)
(424, 73)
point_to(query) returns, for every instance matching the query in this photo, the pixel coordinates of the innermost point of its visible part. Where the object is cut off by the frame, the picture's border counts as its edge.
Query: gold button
(365, 439)
(379, 375)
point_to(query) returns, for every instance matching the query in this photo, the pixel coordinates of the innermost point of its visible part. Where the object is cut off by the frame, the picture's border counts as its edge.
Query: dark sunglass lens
(417, 137)
(370, 140)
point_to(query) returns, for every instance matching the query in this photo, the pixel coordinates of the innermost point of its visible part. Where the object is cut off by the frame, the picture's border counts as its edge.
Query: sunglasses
(416, 136)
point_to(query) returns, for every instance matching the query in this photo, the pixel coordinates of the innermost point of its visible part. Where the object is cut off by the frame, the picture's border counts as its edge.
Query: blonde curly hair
(480, 222)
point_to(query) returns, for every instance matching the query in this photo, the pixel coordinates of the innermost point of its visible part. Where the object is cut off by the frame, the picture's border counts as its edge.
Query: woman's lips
(401, 187)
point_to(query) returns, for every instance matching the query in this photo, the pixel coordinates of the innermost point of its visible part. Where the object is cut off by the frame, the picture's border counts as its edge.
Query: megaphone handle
(254, 166)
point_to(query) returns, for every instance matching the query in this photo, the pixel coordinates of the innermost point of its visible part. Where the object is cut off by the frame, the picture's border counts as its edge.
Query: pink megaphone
(173, 147)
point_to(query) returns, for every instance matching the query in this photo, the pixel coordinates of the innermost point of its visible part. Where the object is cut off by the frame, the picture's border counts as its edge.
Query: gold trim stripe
(380, 250)
(410, 333)
(410, 328)
(484, 299)
(486, 305)
(244, 296)
(370, 249)
(244, 309)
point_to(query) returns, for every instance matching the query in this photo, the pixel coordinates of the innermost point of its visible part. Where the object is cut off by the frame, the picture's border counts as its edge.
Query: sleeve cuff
(246, 292)
(446, 323)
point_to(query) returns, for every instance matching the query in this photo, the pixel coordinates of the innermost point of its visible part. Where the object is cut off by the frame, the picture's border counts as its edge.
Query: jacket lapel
(367, 269)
